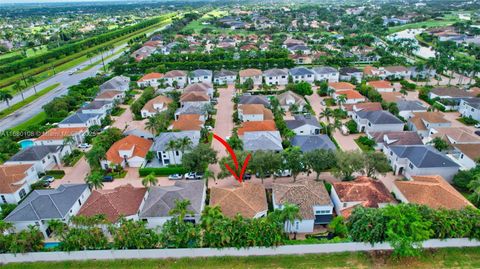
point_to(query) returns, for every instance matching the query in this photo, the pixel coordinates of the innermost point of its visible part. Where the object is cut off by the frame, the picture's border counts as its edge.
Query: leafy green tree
(265, 163)
(95, 156)
(8, 148)
(348, 162)
(319, 160)
(150, 180)
(181, 209)
(375, 162)
(338, 227)
(241, 156)
(5, 96)
(474, 187)
(33, 81)
(198, 159)
(439, 144)
(95, 180)
(130, 234)
(293, 160)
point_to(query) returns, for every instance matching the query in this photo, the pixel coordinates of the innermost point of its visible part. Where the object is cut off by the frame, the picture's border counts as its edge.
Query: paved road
(64, 78)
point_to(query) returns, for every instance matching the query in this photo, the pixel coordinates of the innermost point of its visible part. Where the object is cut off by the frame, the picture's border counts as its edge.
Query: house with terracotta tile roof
(150, 79)
(200, 87)
(467, 155)
(249, 200)
(177, 77)
(431, 190)
(124, 201)
(381, 85)
(391, 96)
(351, 96)
(363, 191)
(161, 200)
(15, 181)
(111, 96)
(366, 106)
(417, 160)
(254, 112)
(58, 136)
(312, 199)
(453, 135)
(254, 74)
(188, 122)
(423, 122)
(340, 86)
(199, 98)
(256, 126)
(155, 106)
(129, 151)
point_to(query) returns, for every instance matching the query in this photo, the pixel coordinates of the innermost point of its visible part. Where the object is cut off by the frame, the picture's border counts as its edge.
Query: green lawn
(444, 258)
(27, 101)
(423, 24)
(30, 52)
(40, 117)
(363, 147)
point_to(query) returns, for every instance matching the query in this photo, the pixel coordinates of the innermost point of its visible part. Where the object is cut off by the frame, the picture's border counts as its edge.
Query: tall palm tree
(184, 144)
(5, 96)
(288, 215)
(341, 99)
(173, 146)
(153, 125)
(326, 113)
(33, 81)
(19, 88)
(95, 180)
(209, 174)
(181, 209)
(150, 180)
(474, 186)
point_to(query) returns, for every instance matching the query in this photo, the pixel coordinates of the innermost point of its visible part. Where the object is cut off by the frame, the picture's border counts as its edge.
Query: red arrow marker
(239, 178)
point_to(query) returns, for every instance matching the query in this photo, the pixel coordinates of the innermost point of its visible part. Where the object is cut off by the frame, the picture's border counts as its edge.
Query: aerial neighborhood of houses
(325, 137)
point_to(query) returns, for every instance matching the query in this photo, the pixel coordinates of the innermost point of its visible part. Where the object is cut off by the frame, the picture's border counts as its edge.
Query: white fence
(212, 252)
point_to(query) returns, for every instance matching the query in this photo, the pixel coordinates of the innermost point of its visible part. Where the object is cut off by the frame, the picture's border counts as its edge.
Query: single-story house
(249, 200)
(188, 122)
(111, 96)
(407, 108)
(340, 86)
(151, 79)
(423, 122)
(262, 140)
(313, 201)
(308, 143)
(118, 83)
(381, 85)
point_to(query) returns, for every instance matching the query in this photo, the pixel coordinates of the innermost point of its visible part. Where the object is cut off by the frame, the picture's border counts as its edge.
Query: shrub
(162, 171)
(352, 126)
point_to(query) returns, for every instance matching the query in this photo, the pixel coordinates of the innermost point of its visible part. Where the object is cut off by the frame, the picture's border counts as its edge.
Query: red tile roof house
(177, 76)
(254, 112)
(363, 191)
(15, 181)
(195, 98)
(381, 85)
(155, 106)
(123, 201)
(340, 86)
(129, 151)
(351, 96)
(151, 79)
(367, 106)
(58, 136)
(111, 96)
(255, 74)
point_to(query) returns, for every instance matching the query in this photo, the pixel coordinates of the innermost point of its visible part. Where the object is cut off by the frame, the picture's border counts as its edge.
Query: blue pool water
(51, 244)
(26, 143)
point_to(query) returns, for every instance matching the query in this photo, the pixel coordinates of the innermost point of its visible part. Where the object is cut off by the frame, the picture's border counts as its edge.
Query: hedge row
(162, 171)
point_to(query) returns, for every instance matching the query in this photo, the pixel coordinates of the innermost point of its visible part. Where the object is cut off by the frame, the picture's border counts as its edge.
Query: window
(461, 156)
(79, 202)
(410, 165)
(22, 193)
(4, 200)
(322, 212)
(177, 153)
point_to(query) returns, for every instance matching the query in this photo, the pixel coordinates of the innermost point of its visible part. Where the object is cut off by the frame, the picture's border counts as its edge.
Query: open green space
(27, 101)
(423, 24)
(39, 118)
(45, 71)
(30, 52)
(442, 258)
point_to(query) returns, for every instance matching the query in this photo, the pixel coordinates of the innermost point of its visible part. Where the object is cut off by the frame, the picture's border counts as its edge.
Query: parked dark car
(477, 133)
(247, 176)
(107, 179)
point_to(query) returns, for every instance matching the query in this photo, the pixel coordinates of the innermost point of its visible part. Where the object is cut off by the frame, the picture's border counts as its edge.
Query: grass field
(444, 258)
(27, 101)
(32, 121)
(30, 52)
(423, 24)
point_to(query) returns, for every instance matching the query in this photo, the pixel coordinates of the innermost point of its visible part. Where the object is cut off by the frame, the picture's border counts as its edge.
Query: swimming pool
(26, 143)
(51, 244)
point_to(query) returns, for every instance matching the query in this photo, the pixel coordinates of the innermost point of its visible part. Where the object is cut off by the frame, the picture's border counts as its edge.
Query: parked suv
(193, 175)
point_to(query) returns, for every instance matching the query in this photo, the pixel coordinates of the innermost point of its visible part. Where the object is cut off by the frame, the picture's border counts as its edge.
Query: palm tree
(288, 215)
(326, 113)
(150, 180)
(330, 127)
(153, 125)
(5, 226)
(209, 174)
(210, 215)
(181, 209)
(95, 180)
(89, 56)
(184, 143)
(474, 186)
(33, 80)
(341, 99)
(5, 96)
(19, 88)
(173, 146)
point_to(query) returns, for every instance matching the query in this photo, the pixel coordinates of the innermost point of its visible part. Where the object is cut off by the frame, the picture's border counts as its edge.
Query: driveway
(346, 142)
(316, 103)
(75, 174)
(453, 116)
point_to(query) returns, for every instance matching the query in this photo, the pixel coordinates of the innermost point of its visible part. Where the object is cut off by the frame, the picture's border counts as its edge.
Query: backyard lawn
(444, 258)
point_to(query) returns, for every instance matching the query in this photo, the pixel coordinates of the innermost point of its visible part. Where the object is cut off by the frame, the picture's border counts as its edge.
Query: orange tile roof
(339, 86)
(251, 109)
(369, 192)
(432, 191)
(256, 126)
(61, 133)
(161, 99)
(250, 72)
(122, 201)
(351, 94)
(367, 106)
(194, 97)
(368, 70)
(472, 151)
(391, 96)
(141, 147)
(11, 177)
(432, 117)
(246, 200)
(175, 73)
(151, 76)
(380, 84)
(188, 122)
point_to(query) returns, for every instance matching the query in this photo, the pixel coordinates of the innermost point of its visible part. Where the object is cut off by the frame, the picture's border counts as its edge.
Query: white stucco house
(377, 121)
(15, 181)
